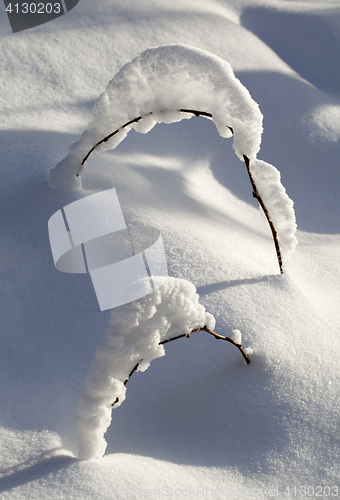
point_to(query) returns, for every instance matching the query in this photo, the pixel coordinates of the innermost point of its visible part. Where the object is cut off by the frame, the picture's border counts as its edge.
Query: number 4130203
(311, 491)
(34, 8)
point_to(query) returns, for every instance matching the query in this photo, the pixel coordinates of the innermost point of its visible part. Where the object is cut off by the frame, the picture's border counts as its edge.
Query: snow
(278, 204)
(324, 123)
(236, 336)
(198, 417)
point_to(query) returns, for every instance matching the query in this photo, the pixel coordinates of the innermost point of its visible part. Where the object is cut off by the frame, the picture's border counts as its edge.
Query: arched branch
(187, 335)
(218, 337)
(136, 120)
(246, 160)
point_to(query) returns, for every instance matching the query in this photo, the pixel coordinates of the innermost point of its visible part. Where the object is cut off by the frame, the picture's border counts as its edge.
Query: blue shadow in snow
(307, 41)
(222, 285)
(25, 473)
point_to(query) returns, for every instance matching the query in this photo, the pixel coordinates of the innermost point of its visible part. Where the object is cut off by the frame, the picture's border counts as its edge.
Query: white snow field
(199, 422)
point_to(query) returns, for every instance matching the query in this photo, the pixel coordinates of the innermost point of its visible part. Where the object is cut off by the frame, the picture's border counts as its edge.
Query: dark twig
(136, 120)
(246, 160)
(196, 113)
(264, 208)
(202, 113)
(109, 137)
(132, 372)
(204, 329)
(174, 338)
(221, 337)
(126, 381)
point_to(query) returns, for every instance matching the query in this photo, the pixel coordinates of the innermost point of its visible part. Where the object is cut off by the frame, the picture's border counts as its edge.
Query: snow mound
(280, 207)
(153, 88)
(132, 337)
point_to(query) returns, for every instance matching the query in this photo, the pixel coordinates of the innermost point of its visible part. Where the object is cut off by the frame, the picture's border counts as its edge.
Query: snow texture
(155, 86)
(279, 205)
(132, 337)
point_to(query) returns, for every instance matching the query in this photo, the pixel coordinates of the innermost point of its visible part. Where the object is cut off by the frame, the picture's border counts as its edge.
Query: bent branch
(246, 160)
(204, 329)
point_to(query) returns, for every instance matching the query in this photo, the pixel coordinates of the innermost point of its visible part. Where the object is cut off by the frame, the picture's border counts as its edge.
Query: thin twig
(202, 113)
(174, 338)
(204, 329)
(132, 372)
(246, 160)
(196, 113)
(221, 337)
(126, 381)
(136, 120)
(264, 208)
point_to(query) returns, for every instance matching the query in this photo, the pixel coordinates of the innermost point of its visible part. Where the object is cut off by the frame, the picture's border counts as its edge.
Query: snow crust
(280, 207)
(132, 337)
(155, 86)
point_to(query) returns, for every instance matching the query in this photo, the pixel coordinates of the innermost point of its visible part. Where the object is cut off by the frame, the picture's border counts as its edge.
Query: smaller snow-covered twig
(204, 329)
(216, 335)
(221, 337)
(134, 338)
(264, 208)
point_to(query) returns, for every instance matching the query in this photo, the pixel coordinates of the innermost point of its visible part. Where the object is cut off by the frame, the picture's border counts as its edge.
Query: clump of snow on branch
(155, 86)
(280, 207)
(133, 336)
(236, 336)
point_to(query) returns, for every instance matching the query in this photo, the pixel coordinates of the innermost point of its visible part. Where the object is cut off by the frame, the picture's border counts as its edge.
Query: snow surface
(199, 417)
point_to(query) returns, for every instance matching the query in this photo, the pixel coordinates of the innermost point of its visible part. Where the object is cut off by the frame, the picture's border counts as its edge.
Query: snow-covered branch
(134, 337)
(167, 84)
(234, 338)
